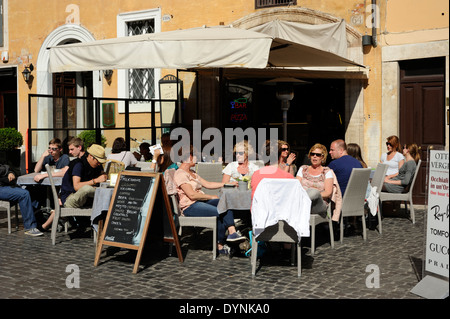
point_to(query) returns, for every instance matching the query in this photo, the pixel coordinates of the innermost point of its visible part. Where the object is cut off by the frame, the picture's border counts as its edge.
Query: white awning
(330, 37)
(207, 47)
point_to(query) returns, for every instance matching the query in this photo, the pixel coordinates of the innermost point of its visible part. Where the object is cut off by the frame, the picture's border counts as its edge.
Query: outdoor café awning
(206, 47)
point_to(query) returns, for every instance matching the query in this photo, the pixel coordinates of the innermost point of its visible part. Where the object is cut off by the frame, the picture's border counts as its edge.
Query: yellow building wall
(31, 21)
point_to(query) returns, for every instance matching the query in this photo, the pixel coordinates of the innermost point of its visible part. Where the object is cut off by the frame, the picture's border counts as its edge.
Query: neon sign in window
(239, 110)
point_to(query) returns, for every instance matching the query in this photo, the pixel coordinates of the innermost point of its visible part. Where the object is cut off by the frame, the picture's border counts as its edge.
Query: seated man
(342, 163)
(9, 192)
(76, 149)
(342, 166)
(54, 157)
(79, 181)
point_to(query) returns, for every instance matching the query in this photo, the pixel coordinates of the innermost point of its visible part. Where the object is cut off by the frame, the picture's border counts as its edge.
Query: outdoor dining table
(234, 199)
(100, 206)
(28, 180)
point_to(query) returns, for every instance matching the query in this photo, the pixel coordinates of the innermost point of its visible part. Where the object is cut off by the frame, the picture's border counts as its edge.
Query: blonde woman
(317, 179)
(241, 167)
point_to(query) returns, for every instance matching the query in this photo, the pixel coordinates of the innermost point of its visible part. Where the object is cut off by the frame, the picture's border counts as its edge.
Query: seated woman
(195, 203)
(398, 183)
(241, 167)
(285, 157)
(354, 150)
(119, 153)
(393, 157)
(317, 180)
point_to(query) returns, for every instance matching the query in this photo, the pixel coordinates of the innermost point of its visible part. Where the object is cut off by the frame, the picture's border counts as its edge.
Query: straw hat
(98, 152)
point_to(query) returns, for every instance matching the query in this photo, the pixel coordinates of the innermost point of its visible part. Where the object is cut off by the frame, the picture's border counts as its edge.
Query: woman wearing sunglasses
(406, 173)
(285, 157)
(393, 158)
(317, 179)
(241, 167)
(195, 203)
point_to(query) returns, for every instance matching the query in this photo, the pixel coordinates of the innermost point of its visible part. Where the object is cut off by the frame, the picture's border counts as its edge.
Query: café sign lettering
(437, 245)
(238, 110)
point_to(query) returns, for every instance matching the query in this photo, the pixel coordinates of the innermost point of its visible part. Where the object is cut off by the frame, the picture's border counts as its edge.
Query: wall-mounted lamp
(107, 74)
(27, 72)
(366, 40)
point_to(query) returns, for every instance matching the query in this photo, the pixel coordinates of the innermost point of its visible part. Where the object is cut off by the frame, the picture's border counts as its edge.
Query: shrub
(88, 138)
(10, 139)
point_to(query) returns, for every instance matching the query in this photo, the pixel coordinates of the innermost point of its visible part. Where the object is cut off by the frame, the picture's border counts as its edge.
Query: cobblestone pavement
(32, 268)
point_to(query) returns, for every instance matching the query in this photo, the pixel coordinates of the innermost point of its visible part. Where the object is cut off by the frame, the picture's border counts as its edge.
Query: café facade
(397, 83)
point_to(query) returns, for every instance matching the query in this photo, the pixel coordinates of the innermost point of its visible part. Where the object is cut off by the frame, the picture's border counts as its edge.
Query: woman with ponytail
(397, 184)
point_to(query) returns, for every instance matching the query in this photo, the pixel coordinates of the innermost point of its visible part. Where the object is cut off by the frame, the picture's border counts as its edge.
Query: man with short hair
(76, 147)
(342, 164)
(79, 181)
(54, 157)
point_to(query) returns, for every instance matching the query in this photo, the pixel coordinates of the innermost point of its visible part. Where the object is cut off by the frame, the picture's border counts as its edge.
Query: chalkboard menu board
(130, 212)
(130, 209)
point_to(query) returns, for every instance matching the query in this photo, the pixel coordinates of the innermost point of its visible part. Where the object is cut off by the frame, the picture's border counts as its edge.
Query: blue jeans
(209, 208)
(22, 196)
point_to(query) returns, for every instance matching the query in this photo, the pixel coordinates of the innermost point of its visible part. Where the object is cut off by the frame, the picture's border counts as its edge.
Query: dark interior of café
(316, 113)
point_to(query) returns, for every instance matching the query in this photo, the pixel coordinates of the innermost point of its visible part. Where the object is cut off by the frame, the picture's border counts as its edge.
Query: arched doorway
(85, 84)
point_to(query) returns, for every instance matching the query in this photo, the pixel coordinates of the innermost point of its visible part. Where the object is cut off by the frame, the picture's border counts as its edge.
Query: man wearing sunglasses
(54, 157)
(79, 181)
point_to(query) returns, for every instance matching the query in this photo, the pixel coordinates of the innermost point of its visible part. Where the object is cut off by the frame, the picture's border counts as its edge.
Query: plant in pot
(88, 138)
(10, 141)
(244, 182)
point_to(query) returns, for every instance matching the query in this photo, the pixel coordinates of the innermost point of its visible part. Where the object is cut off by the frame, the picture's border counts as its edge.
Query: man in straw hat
(79, 181)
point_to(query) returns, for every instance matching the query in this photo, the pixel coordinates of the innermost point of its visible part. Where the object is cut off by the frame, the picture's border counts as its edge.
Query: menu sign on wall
(437, 236)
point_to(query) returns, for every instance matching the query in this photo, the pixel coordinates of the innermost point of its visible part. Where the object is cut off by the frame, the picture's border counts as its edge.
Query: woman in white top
(394, 157)
(119, 153)
(241, 167)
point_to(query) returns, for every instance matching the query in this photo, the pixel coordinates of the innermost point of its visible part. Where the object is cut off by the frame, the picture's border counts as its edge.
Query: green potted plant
(244, 183)
(88, 138)
(10, 141)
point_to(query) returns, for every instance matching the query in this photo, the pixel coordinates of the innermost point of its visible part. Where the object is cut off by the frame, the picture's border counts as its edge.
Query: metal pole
(285, 107)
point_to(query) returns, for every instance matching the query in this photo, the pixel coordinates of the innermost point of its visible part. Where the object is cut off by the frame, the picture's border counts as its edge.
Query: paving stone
(32, 268)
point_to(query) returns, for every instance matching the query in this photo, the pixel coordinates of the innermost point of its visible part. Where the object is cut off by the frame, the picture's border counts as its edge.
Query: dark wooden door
(65, 114)
(422, 110)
